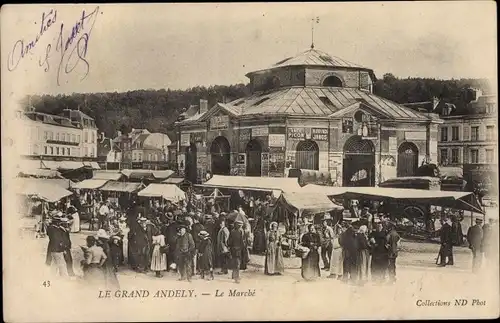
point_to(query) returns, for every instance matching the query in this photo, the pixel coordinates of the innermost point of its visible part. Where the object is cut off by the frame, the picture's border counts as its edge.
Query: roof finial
(313, 20)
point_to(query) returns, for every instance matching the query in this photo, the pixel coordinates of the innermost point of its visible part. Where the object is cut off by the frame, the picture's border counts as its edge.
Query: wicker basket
(301, 251)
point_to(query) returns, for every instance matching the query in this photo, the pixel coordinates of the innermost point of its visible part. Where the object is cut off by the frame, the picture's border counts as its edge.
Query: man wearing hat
(446, 250)
(184, 251)
(326, 241)
(197, 227)
(367, 218)
(236, 246)
(56, 246)
(68, 258)
(393, 241)
(475, 239)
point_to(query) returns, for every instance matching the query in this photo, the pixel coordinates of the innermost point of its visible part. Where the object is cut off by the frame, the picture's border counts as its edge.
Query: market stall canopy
(107, 175)
(47, 173)
(167, 191)
(66, 164)
(93, 165)
(90, 184)
(147, 174)
(254, 183)
(49, 190)
(174, 180)
(457, 200)
(311, 203)
(128, 187)
(27, 165)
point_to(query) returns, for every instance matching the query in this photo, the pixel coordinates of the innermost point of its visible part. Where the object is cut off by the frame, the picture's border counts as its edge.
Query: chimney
(203, 106)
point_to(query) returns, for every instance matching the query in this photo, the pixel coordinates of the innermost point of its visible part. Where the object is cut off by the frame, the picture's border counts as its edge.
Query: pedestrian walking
(236, 246)
(158, 258)
(184, 248)
(379, 253)
(475, 240)
(94, 259)
(310, 264)
(393, 242)
(337, 260)
(446, 250)
(273, 263)
(56, 247)
(363, 254)
(223, 254)
(349, 246)
(326, 242)
(205, 257)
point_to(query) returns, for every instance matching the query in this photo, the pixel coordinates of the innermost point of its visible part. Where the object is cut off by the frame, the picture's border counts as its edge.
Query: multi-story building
(143, 149)
(57, 140)
(468, 137)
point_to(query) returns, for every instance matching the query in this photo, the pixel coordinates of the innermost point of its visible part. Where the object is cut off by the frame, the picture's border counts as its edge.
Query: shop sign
(185, 139)
(260, 132)
(296, 133)
(219, 122)
(320, 134)
(415, 135)
(276, 140)
(245, 135)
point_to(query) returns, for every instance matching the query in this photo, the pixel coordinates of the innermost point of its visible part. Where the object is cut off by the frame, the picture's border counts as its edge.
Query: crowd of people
(347, 253)
(179, 237)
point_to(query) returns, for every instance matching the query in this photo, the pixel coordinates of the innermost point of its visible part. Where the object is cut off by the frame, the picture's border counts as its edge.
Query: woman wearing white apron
(75, 224)
(336, 260)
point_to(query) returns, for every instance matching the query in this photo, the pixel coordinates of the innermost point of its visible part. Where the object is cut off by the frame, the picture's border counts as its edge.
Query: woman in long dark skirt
(109, 272)
(259, 241)
(206, 252)
(310, 264)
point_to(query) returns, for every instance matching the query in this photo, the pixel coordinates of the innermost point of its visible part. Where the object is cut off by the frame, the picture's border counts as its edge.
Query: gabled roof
(312, 101)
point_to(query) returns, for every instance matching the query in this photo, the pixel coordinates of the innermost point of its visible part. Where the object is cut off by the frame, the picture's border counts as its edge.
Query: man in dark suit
(236, 244)
(446, 250)
(475, 239)
(184, 251)
(57, 246)
(393, 240)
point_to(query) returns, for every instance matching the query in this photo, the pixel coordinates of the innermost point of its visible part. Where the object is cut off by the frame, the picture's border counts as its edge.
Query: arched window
(332, 81)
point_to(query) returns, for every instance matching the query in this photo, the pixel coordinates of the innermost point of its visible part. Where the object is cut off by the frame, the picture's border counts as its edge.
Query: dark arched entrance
(407, 159)
(191, 173)
(307, 155)
(332, 81)
(359, 162)
(254, 152)
(220, 151)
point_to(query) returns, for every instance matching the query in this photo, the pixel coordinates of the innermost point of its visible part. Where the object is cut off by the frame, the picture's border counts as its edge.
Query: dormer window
(332, 81)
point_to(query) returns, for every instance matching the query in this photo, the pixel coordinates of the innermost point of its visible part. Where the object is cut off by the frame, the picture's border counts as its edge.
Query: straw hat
(203, 233)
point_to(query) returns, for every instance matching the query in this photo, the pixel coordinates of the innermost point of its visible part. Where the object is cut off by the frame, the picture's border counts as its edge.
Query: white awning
(167, 191)
(310, 202)
(66, 164)
(93, 165)
(107, 175)
(254, 183)
(90, 184)
(46, 189)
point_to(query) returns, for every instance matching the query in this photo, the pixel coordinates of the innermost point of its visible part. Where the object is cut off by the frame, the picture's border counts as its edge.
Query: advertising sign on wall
(219, 122)
(264, 158)
(415, 135)
(393, 145)
(296, 133)
(276, 140)
(185, 139)
(260, 131)
(320, 134)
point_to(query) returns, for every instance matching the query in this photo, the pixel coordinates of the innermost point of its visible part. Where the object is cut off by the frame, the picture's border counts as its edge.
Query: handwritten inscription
(70, 47)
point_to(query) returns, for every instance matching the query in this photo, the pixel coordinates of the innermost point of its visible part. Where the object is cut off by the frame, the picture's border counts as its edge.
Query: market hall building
(312, 111)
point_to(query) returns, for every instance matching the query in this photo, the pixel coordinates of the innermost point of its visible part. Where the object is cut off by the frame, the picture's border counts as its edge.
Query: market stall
(90, 184)
(181, 182)
(49, 190)
(40, 173)
(110, 175)
(120, 193)
(254, 183)
(147, 174)
(167, 192)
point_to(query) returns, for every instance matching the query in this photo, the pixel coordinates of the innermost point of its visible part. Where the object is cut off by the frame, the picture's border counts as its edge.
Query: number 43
(46, 283)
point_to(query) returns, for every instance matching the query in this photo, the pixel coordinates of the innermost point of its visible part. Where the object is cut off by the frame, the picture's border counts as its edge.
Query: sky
(178, 46)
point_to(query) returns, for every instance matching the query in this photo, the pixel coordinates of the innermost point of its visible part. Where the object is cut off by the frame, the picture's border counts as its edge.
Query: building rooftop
(314, 57)
(315, 101)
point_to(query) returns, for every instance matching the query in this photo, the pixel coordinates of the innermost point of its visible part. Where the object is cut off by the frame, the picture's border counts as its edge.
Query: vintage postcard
(249, 161)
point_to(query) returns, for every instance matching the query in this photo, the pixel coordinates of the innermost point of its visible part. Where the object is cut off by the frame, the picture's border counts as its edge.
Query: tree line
(157, 110)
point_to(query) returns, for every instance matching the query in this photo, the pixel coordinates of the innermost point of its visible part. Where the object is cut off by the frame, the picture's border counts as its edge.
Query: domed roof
(314, 57)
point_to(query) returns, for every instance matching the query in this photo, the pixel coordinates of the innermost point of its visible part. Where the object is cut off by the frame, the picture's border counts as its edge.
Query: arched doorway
(191, 173)
(307, 155)
(220, 151)
(359, 162)
(407, 159)
(254, 152)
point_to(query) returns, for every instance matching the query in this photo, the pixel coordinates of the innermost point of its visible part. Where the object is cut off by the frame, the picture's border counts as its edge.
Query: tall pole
(313, 20)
